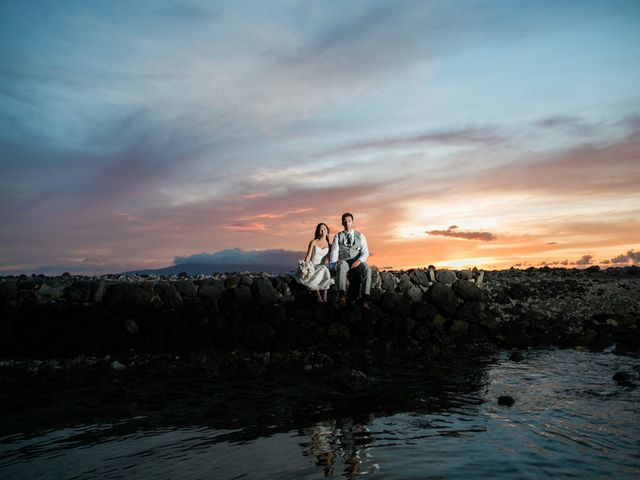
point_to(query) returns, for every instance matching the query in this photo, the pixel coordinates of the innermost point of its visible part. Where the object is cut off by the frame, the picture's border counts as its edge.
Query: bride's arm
(309, 252)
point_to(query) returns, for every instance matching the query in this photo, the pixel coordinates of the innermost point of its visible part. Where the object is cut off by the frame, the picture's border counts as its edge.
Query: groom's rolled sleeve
(364, 253)
(333, 257)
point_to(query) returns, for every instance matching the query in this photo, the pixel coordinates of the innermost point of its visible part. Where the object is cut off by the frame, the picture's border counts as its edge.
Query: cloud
(238, 256)
(630, 256)
(452, 231)
(460, 136)
(585, 260)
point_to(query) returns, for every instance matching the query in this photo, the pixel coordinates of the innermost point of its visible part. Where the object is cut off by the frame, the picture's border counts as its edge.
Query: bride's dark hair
(317, 234)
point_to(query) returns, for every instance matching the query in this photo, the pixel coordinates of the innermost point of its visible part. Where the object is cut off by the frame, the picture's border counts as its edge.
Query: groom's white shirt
(335, 248)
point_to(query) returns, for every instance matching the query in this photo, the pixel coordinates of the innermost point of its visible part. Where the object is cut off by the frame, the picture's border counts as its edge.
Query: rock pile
(416, 312)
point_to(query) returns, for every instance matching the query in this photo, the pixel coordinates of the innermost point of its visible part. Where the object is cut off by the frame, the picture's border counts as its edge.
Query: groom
(350, 250)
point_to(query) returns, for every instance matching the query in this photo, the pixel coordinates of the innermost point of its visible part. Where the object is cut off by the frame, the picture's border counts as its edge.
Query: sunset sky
(487, 133)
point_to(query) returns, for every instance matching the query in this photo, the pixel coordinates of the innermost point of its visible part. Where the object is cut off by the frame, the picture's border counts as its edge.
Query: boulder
(506, 400)
(49, 292)
(128, 298)
(423, 312)
(388, 281)
(464, 274)
(438, 322)
(232, 282)
(186, 288)
(466, 290)
(414, 293)
(442, 297)
(458, 327)
(239, 296)
(419, 277)
(404, 282)
(516, 356)
(396, 304)
(623, 379)
(212, 289)
(471, 311)
(445, 276)
(97, 291)
(263, 292)
(168, 295)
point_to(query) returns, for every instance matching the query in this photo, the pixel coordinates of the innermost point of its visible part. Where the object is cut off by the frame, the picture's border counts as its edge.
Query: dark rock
(467, 290)
(404, 282)
(128, 298)
(8, 289)
(446, 276)
(338, 333)
(238, 297)
(186, 288)
(438, 322)
(506, 400)
(356, 381)
(131, 326)
(414, 293)
(232, 281)
(442, 297)
(396, 304)
(464, 274)
(47, 293)
(458, 327)
(263, 292)
(471, 311)
(423, 312)
(422, 333)
(280, 284)
(376, 294)
(518, 291)
(501, 298)
(168, 295)
(516, 356)
(419, 277)
(212, 289)
(97, 291)
(388, 281)
(623, 379)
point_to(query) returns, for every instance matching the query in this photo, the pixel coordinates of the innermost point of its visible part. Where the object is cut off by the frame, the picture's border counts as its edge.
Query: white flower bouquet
(305, 270)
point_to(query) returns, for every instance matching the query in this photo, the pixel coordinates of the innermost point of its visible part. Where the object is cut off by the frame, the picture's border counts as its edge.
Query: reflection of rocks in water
(332, 443)
(252, 395)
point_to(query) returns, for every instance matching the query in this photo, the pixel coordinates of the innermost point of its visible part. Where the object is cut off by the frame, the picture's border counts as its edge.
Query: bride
(313, 272)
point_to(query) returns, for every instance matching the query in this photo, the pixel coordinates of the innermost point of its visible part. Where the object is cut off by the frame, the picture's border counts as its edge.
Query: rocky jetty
(417, 312)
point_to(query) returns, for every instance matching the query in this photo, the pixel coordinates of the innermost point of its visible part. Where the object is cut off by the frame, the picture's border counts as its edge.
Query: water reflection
(569, 419)
(348, 445)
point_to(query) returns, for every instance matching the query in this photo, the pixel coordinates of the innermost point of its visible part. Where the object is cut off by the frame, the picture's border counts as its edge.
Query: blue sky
(133, 133)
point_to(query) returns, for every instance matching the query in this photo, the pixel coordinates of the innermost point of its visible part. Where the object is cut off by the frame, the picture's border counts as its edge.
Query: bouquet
(305, 270)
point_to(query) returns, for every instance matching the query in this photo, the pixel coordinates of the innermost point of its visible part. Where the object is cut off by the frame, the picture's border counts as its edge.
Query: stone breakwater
(415, 312)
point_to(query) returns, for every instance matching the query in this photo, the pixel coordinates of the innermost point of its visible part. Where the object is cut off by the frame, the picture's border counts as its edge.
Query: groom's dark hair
(347, 214)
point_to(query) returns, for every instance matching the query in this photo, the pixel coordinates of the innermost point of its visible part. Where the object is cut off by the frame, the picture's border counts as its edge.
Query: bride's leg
(318, 297)
(324, 295)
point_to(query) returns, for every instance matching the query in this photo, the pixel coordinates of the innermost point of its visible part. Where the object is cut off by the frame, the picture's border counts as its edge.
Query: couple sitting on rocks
(347, 253)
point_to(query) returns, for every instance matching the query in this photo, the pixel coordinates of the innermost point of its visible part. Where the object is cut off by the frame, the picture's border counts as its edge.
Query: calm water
(570, 419)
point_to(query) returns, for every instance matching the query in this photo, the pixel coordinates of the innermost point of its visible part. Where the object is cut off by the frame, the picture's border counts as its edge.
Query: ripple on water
(569, 419)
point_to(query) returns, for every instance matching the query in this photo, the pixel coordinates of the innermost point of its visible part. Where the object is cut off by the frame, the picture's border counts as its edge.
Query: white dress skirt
(314, 274)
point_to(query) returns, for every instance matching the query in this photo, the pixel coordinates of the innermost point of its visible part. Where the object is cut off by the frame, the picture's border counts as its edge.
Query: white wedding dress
(320, 277)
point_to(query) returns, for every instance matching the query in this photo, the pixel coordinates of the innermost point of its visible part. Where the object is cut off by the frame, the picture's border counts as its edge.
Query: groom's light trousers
(363, 270)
